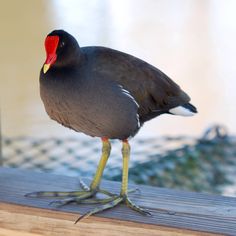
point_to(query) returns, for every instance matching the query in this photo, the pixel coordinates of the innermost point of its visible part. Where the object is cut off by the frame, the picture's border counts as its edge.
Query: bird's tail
(186, 109)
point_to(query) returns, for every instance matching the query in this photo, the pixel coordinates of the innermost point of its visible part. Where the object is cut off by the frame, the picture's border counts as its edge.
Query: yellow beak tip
(46, 68)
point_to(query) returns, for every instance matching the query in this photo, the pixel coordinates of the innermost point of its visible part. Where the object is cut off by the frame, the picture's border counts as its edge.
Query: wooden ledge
(173, 212)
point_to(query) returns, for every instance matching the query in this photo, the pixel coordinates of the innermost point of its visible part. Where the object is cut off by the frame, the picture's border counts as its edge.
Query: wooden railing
(173, 212)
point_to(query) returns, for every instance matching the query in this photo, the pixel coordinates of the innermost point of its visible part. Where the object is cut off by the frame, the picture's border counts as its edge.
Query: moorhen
(104, 93)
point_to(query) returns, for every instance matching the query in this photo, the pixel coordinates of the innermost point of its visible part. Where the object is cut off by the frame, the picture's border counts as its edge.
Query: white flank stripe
(181, 111)
(127, 93)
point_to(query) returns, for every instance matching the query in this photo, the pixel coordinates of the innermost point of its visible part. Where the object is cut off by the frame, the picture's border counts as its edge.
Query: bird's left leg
(123, 197)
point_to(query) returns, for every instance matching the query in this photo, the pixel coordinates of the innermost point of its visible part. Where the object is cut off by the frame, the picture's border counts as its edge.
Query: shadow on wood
(173, 212)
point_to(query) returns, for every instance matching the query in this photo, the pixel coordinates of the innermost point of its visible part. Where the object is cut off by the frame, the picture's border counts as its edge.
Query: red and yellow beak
(51, 43)
(50, 60)
(46, 68)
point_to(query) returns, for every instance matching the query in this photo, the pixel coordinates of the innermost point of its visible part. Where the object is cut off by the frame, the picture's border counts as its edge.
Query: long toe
(55, 194)
(77, 199)
(76, 194)
(112, 202)
(137, 208)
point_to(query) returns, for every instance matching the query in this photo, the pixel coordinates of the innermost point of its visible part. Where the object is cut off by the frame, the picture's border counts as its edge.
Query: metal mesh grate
(199, 164)
(73, 156)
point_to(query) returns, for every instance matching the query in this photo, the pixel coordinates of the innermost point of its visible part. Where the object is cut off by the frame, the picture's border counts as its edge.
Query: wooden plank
(173, 212)
(8, 232)
(37, 221)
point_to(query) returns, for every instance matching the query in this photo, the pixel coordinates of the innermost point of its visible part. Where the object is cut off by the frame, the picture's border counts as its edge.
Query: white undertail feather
(181, 111)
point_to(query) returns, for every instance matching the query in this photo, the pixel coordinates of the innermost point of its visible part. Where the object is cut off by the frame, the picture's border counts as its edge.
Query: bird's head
(61, 49)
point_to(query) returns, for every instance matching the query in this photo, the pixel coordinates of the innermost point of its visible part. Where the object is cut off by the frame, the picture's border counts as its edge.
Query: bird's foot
(72, 196)
(112, 202)
(86, 196)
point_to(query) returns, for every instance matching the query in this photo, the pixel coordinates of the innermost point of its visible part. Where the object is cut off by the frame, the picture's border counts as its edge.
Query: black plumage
(104, 92)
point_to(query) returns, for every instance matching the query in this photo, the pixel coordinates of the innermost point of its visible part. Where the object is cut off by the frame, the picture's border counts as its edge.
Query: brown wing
(154, 91)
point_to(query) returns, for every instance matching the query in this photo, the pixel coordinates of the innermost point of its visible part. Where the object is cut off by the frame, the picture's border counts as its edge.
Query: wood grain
(173, 212)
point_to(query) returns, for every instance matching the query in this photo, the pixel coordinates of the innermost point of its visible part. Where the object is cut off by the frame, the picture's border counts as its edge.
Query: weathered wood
(173, 212)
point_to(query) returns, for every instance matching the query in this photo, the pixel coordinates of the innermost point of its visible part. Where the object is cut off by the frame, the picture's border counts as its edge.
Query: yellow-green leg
(106, 149)
(123, 197)
(88, 192)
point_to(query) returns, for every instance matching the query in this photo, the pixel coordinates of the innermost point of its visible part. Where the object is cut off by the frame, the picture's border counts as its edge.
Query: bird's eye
(62, 44)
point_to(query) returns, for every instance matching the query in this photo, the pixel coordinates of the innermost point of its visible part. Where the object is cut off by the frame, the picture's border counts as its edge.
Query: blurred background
(192, 41)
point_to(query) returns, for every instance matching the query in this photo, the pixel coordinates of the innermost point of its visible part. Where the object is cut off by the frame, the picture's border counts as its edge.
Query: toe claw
(145, 212)
(134, 190)
(33, 194)
(81, 217)
(148, 213)
(83, 185)
(138, 190)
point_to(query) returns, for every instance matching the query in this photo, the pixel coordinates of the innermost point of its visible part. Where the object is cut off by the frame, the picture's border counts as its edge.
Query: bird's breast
(96, 108)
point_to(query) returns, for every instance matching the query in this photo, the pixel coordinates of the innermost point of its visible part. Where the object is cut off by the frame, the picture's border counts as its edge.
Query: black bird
(104, 93)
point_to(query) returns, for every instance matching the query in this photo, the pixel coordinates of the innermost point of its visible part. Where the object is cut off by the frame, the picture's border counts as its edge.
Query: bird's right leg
(87, 192)
(106, 149)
